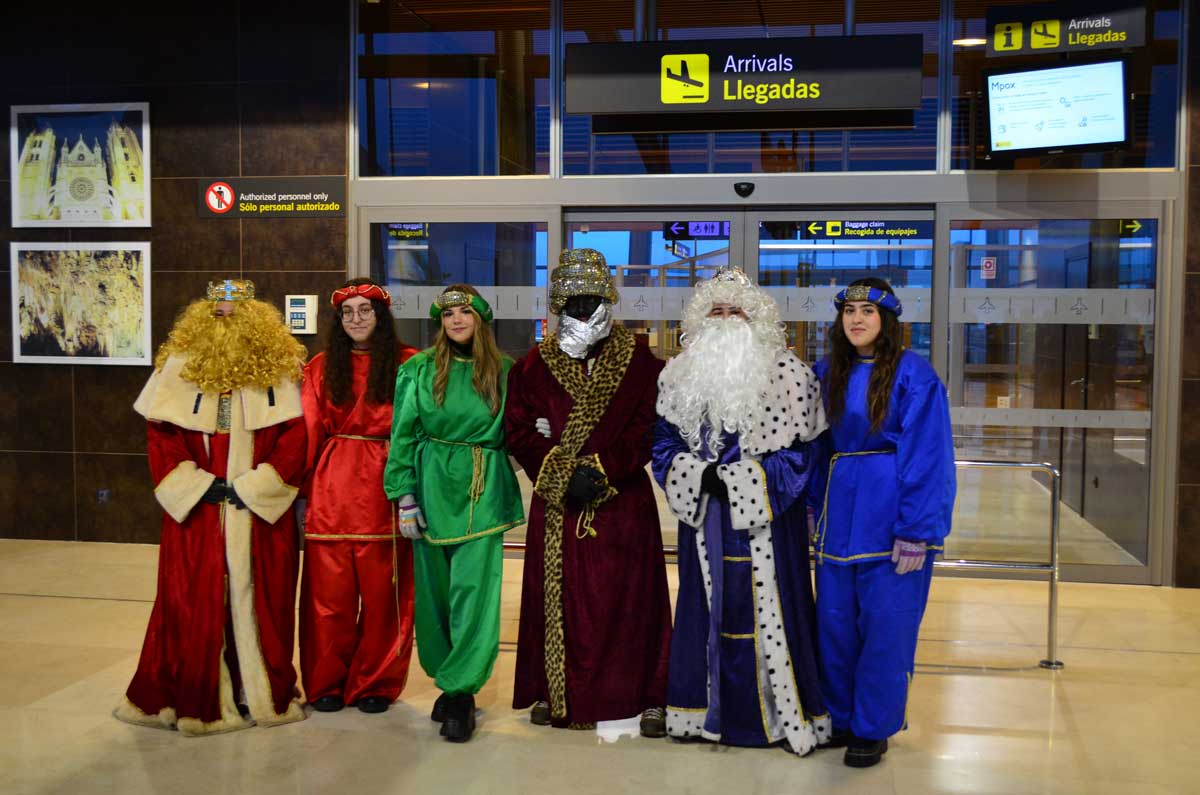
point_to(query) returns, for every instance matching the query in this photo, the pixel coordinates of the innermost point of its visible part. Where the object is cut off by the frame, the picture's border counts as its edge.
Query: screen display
(1049, 108)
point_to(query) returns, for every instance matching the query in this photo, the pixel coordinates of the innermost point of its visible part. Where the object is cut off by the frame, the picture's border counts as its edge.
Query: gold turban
(580, 271)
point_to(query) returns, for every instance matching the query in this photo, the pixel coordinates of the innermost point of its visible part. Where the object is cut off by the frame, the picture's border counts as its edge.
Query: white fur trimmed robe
(223, 625)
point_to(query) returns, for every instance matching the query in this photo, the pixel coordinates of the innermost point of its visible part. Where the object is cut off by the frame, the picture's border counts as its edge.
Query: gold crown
(580, 271)
(231, 290)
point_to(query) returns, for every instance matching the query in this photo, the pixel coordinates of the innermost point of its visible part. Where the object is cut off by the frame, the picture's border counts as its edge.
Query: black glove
(711, 482)
(585, 484)
(216, 492)
(234, 499)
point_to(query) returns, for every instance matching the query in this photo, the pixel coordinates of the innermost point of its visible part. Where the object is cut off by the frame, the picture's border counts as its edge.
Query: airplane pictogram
(684, 76)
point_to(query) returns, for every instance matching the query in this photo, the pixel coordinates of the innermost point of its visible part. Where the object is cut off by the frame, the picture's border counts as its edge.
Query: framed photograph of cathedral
(81, 303)
(80, 165)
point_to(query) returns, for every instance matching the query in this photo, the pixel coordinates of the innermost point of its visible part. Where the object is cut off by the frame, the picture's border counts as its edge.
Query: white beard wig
(720, 381)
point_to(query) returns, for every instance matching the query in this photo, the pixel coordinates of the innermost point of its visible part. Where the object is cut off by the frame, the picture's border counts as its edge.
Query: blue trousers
(867, 622)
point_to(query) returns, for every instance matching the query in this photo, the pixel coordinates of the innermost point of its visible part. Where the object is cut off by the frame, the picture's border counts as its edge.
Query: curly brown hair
(384, 351)
(888, 347)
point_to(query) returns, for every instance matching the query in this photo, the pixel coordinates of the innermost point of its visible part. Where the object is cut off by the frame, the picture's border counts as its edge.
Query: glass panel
(805, 265)
(754, 151)
(1051, 359)
(506, 261)
(1152, 75)
(458, 89)
(654, 275)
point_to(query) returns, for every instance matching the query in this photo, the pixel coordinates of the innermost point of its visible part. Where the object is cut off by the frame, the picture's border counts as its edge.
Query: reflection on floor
(1000, 514)
(1004, 514)
(984, 718)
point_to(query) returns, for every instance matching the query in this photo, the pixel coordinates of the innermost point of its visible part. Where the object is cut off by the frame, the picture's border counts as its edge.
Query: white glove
(412, 521)
(543, 426)
(908, 555)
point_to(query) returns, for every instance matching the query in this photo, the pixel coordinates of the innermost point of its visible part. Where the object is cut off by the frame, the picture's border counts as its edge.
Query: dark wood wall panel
(235, 89)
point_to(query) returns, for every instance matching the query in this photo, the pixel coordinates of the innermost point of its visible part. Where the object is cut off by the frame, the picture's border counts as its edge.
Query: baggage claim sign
(718, 84)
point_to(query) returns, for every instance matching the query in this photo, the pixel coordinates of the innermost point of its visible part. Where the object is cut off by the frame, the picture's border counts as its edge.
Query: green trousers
(457, 611)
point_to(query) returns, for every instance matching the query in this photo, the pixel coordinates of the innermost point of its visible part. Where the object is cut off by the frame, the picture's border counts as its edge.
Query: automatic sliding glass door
(656, 259)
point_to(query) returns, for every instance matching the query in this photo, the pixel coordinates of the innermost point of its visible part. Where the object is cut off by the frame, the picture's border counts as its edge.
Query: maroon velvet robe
(616, 609)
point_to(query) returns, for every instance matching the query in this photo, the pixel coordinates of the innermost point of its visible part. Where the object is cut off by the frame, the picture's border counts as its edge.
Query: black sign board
(695, 230)
(826, 228)
(759, 76)
(1065, 27)
(271, 197)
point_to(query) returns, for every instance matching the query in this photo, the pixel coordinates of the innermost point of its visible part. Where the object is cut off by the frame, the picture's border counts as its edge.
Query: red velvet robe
(223, 622)
(616, 608)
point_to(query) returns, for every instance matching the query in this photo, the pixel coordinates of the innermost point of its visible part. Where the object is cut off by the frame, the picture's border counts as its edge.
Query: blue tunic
(872, 487)
(735, 672)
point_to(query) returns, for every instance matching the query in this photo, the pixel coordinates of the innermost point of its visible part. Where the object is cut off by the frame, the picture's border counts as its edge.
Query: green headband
(458, 298)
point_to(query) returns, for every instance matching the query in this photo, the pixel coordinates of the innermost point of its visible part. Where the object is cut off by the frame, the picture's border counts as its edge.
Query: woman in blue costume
(737, 412)
(883, 493)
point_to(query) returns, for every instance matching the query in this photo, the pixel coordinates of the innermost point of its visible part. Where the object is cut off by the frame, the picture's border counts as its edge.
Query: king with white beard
(737, 413)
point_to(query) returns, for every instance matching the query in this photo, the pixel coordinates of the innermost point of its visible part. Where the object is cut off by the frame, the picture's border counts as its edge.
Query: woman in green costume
(455, 493)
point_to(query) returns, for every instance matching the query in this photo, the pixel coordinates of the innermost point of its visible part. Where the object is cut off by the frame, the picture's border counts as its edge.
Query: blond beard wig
(251, 347)
(719, 383)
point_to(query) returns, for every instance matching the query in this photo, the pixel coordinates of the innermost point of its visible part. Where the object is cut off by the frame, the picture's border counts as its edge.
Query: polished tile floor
(1120, 718)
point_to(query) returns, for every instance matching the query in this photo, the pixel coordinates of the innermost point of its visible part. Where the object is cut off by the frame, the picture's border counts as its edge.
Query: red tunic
(616, 608)
(347, 450)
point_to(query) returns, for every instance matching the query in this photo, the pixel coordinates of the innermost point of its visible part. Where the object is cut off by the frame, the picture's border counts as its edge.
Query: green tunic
(451, 457)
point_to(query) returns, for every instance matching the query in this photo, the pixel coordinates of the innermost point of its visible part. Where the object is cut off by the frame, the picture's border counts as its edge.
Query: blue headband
(862, 292)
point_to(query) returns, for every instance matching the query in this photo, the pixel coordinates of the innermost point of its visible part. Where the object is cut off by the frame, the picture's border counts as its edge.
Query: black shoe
(864, 753)
(439, 708)
(540, 714)
(653, 723)
(460, 719)
(840, 738)
(328, 704)
(372, 704)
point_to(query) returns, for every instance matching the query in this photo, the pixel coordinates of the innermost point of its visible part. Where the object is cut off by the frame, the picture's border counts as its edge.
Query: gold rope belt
(475, 490)
(361, 438)
(823, 521)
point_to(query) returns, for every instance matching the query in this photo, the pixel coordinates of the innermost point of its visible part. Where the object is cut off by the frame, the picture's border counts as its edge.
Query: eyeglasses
(364, 313)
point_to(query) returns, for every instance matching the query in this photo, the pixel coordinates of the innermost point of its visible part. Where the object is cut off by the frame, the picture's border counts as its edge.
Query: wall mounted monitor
(1046, 111)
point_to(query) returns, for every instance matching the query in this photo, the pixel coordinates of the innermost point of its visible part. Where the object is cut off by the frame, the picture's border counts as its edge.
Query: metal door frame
(1164, 404)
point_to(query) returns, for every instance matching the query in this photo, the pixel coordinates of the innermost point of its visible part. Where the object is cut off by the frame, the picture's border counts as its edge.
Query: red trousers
(356, 626)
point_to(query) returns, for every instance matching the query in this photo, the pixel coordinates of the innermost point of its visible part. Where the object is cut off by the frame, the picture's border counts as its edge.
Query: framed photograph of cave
(80, 165)
(81, 303)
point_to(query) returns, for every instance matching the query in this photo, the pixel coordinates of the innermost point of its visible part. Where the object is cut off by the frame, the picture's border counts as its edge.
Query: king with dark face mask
(595, 614)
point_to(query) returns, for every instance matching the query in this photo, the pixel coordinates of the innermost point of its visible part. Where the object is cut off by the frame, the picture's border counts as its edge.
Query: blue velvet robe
(724, 679)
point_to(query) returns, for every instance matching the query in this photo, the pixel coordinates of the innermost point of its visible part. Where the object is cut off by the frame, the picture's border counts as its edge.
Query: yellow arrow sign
(1132, 226)
(814, 228)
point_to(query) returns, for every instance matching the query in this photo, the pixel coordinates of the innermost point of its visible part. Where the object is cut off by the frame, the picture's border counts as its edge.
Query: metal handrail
(1050, 568)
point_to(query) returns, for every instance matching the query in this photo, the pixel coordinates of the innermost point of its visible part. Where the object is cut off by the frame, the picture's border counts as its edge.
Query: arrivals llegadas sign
(1065, 27)
(745, 75)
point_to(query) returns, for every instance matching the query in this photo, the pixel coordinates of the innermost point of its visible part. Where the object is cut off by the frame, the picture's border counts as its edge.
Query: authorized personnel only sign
(272, 197)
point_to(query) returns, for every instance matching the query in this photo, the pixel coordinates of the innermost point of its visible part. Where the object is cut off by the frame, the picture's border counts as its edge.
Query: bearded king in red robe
(595, 629)
(226, 443)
